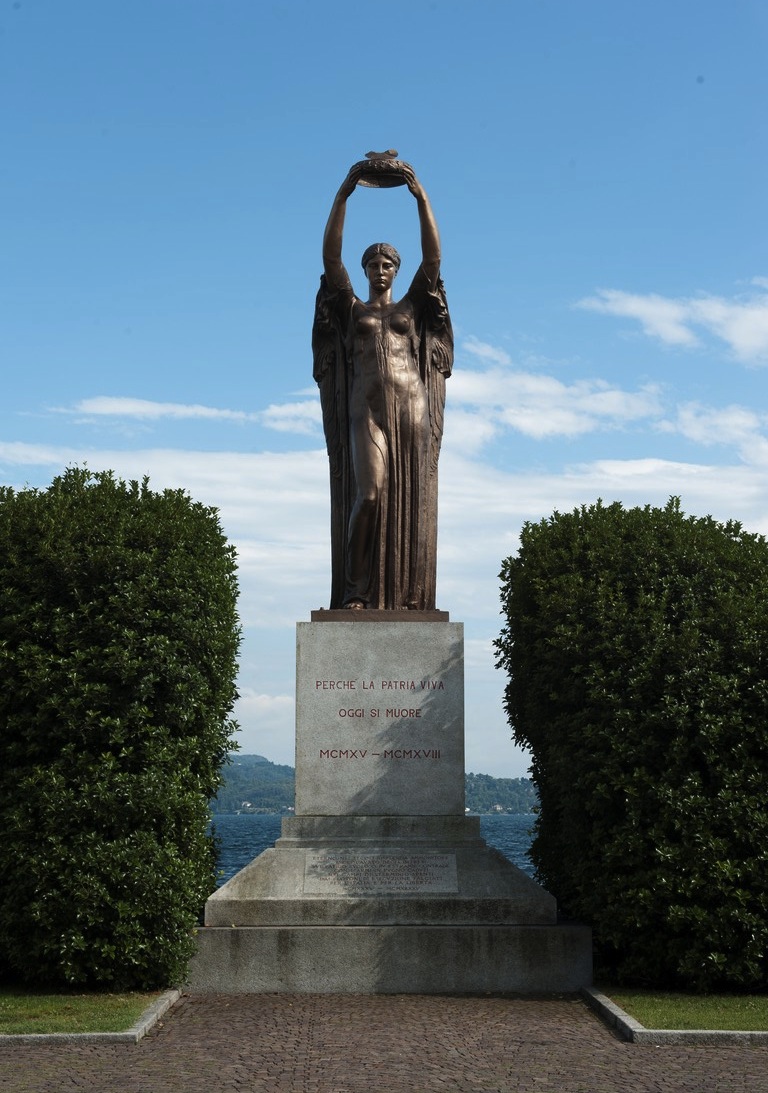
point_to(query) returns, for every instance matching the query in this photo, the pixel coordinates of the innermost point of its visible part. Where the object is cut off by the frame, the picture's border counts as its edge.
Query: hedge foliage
(118, 644)
(636, 643)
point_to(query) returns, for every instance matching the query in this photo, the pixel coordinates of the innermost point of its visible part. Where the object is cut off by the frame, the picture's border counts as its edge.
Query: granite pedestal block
(379, 718)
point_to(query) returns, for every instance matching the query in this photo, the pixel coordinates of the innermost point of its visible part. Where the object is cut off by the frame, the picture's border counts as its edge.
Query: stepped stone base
(380, 870)
(381, 904)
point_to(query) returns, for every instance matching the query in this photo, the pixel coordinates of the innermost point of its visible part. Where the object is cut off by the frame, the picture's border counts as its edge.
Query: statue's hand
(412, 182)
(350, 182)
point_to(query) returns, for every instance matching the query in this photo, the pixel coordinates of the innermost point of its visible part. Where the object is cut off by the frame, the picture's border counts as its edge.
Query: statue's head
(380, 248)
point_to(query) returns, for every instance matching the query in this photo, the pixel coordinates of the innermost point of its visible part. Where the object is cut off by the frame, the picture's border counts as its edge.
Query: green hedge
(636, 643)
(118, 644)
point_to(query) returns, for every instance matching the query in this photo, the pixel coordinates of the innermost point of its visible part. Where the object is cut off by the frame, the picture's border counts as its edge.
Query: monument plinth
(380, 882)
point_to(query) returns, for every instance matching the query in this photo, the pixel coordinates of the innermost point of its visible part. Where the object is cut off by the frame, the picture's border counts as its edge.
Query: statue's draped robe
(402, 553)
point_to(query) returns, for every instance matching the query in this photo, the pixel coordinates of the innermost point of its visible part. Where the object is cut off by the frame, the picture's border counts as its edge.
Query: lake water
(244, 837)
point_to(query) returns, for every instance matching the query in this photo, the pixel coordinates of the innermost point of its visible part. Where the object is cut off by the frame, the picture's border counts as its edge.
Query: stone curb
(636, 1033)
(132, 1035)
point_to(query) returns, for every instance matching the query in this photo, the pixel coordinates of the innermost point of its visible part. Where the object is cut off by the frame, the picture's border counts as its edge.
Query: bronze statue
(381, 365)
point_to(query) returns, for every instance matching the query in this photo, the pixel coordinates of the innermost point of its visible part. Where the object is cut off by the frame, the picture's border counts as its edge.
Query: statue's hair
(380, 248)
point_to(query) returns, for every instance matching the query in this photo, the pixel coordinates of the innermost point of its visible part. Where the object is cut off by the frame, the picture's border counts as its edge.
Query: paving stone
(381, 1044)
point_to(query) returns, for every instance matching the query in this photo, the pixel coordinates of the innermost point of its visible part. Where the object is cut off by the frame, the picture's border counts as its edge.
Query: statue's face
(381, 272)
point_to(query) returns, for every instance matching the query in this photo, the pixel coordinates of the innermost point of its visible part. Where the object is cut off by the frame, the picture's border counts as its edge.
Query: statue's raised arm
(334, 229)
(430, 236)
(381, 364)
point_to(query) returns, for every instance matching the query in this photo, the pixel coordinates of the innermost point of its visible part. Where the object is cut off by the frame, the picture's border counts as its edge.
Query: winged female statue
(381, 365)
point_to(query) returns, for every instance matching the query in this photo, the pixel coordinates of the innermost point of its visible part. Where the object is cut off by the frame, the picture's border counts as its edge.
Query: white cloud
(469, 432)
(659, 317)
(18, 454)
(734, 426)
(485, 351)
(741, 323)
(541, 406)
(146, 410)
(266, 724)
(302, 417)
(294, 417)
(255, 492)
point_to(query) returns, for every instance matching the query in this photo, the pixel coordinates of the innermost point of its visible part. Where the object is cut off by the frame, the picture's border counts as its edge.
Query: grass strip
(678, 1010)
(28, 1011)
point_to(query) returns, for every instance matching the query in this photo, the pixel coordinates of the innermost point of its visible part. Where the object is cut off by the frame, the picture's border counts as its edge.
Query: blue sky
(598, 172)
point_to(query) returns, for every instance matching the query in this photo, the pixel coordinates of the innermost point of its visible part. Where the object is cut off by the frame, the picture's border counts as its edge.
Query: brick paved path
(381, 1044)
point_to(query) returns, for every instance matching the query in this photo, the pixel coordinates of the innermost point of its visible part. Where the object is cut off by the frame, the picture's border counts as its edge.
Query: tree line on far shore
(254, 784)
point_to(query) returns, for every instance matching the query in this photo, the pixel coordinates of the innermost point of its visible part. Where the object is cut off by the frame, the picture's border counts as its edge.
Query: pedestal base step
(392, 959)
(381, 871)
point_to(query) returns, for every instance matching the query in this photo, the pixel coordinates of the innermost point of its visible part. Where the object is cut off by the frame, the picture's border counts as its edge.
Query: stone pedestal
(379, 718)
(379, 882)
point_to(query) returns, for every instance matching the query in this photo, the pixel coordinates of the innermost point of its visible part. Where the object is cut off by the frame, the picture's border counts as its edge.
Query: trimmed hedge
(636, 643)
(118, 645)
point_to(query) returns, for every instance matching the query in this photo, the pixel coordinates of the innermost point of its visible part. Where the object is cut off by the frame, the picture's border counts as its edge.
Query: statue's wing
(436, 360)
(436, 364)
(330, 373)
(326, 348)
(439, 329)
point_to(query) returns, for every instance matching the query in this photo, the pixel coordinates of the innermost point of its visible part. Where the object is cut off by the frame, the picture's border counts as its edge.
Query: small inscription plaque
(349, 873)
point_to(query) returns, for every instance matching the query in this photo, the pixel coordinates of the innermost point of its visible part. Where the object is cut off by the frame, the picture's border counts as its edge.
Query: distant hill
(486, 794)
(254, 784)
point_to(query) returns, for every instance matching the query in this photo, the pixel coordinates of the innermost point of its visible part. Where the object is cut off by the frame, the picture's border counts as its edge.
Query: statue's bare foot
(355, 605)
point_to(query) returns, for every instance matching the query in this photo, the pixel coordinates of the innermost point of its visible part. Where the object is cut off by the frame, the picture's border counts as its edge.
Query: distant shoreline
(253, 785)
(289, 812)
